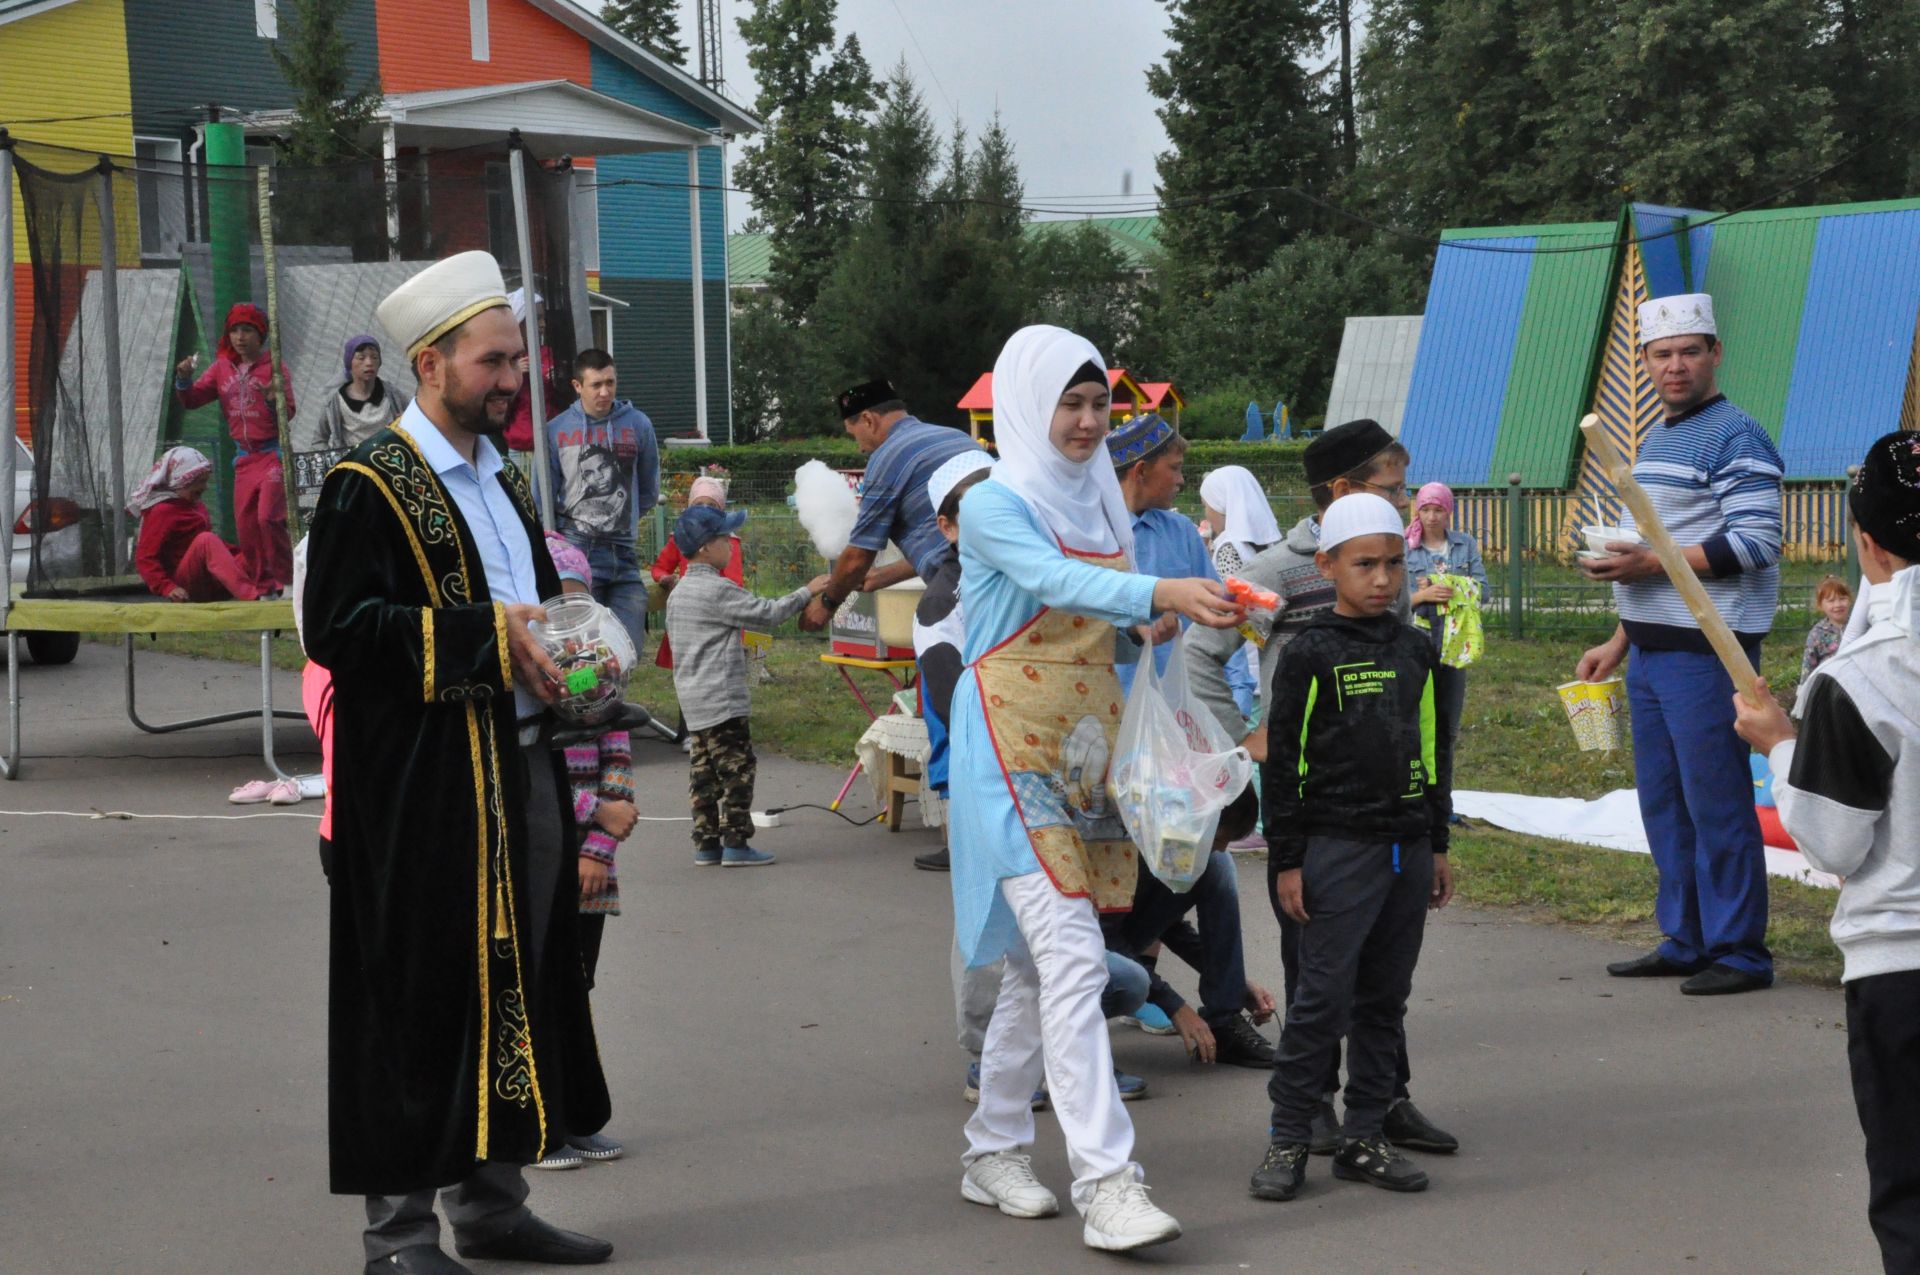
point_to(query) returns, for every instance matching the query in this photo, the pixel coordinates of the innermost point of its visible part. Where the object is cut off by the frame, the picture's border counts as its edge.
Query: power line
(1420, 238)
(924, 59)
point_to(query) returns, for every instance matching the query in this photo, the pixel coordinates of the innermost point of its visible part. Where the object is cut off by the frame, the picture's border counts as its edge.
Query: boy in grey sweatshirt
(1849, 794)
(707, 614)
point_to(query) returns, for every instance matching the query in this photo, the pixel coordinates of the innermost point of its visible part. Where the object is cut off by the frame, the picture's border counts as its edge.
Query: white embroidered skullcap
(1361, 514)
(441, 298)
(1688, 315)
(517, 302)
(948, 476)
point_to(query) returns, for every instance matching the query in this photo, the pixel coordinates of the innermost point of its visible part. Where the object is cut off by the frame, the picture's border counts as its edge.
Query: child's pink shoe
(252, 793)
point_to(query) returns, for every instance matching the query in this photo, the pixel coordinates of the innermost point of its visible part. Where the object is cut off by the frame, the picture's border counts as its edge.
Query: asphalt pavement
(780, 1047)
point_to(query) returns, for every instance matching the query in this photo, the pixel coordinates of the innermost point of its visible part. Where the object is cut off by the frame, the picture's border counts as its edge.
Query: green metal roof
(749, 257)
(1562, 325)
(1136, 239)
(1757, 275)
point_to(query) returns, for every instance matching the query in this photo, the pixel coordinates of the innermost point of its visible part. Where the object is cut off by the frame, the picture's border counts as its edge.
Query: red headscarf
(242, 312)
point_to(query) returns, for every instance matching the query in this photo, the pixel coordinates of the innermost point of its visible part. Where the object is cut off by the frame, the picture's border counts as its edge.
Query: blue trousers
(618, 585)
(1696, 799)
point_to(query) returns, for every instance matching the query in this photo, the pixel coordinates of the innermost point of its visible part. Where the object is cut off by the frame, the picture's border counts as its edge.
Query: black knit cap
(862, 397)
(1885, 499)
(1344, 448)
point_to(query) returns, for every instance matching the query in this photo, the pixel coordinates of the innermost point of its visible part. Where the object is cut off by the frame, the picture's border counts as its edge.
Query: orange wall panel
(428, 44)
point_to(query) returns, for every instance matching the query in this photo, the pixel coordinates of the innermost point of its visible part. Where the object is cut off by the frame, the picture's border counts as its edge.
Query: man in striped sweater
(1714, 477)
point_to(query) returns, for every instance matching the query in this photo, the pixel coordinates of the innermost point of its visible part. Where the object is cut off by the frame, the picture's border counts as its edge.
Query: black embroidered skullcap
(1339, 451)
(869, 395)
(1885, 499)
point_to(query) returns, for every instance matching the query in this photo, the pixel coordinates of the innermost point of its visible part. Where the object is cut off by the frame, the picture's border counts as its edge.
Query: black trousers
(1366, 904)
(1290, 973)
(1883, 1052)
(593, 925)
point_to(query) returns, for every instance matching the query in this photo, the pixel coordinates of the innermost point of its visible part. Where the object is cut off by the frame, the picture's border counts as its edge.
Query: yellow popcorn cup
(1598, 712)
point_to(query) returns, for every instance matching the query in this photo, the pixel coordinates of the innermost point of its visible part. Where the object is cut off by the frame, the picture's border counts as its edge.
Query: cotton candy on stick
(827, 509)
(1647, 520)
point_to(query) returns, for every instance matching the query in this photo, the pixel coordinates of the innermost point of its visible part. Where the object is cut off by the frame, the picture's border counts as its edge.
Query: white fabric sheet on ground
(1612, 821)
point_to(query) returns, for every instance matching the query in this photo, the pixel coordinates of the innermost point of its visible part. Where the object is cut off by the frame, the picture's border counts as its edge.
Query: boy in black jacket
(1356, 818)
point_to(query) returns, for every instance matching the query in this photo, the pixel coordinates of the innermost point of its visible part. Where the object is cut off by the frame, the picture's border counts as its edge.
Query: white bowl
(1598, 538)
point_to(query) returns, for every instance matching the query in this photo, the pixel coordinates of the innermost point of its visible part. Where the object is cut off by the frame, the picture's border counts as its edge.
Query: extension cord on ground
(765, 819)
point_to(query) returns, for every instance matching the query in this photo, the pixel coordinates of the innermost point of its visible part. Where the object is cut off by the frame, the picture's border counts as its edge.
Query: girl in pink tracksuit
(241, 377)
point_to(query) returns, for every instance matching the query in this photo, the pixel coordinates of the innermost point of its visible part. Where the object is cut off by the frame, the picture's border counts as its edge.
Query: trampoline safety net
(135, 266)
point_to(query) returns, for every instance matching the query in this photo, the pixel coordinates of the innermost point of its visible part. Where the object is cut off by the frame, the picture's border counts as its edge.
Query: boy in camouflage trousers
(706, 617)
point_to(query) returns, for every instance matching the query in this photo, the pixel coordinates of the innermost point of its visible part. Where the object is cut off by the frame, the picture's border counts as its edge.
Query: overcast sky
(1068, 77)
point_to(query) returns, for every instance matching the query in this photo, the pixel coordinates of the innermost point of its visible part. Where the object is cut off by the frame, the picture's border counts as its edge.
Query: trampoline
(129, 619)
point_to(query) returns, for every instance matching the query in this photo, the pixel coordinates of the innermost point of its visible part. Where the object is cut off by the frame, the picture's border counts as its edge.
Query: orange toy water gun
(1251, 596)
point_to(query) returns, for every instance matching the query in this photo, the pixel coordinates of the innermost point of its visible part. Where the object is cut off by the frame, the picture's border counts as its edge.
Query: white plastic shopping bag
(1174, 770)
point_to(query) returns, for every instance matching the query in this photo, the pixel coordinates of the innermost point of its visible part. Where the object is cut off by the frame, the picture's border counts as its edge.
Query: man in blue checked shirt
(1714, 476)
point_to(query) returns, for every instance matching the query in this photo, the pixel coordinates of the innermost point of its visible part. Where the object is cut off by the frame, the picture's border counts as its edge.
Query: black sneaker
(1323, 1136)
(1374, 1160)
(937, 861)
(1405, 1126)
(1282, 1173)
(1238, 1043)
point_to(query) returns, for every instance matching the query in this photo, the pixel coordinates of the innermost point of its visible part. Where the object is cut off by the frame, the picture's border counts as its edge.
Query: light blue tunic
(1011, 568)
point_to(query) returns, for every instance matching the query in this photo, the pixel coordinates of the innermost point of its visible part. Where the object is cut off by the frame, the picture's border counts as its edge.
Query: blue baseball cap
(700, 525)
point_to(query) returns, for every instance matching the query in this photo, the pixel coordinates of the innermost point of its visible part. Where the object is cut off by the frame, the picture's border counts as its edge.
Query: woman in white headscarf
(1045, 554)
(1243, 523)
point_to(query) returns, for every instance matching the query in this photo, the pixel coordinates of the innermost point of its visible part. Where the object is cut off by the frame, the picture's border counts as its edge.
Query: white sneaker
(1005, 1181)
(1121, 1217)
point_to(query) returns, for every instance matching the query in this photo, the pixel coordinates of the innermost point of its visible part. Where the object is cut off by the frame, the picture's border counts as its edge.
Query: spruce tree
(330, 121)
(1242, 113)
(814, 99)
(654, 25)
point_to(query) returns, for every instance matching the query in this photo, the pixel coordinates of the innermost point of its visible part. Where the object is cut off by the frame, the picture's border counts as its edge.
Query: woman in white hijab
(1045, 554)
(1243, 522)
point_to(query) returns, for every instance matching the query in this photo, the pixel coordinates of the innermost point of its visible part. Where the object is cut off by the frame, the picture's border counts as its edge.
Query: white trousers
(1048, 1022)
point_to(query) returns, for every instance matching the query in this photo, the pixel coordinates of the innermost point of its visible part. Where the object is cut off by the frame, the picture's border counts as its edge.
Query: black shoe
(420, 1259)
(1238, 1043)
(1653, 965)
(938, 861)
(1374, 1160)
(1281, 1174)
(1405, 1126)
(1324, 1133)
(537, 1241)
(1723, 980)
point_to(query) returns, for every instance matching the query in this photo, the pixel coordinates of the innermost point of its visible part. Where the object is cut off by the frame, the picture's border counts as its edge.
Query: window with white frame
(266, 19)
(161, 191)
(477, 27)
(586, 217)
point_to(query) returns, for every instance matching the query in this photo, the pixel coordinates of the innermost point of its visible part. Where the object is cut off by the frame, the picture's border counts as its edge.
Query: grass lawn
(1514, 739)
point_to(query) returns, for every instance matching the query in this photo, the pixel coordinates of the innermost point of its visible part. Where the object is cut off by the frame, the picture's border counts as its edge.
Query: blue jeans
(618, 584)
(1215, 903)
(1696, 800)
(1127, 984)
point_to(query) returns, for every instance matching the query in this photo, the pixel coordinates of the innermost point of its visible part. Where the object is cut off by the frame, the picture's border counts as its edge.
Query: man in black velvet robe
(460, 1045)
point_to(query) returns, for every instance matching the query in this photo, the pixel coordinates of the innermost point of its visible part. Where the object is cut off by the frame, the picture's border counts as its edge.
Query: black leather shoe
(537, 1241)
(938, 861)
(420, 1259)
(1281, 1174)
(1723, 980)
(1653, 965)
(1374, 1160)
(1405, 1126)
(1238, 1043)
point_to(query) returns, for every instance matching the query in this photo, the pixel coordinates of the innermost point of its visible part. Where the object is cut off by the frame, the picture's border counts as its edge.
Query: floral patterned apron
(1053, 706)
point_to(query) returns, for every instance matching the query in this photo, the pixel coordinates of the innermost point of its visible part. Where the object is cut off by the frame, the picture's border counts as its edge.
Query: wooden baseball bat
(1725, 645)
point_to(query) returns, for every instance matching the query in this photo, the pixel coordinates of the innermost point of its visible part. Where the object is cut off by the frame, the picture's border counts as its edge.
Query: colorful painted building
(135, 78)
(1529, 328)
